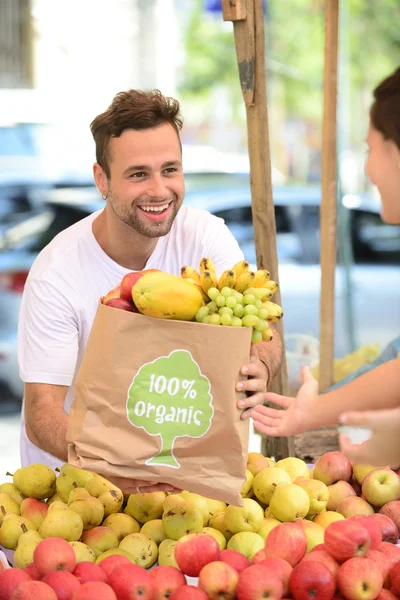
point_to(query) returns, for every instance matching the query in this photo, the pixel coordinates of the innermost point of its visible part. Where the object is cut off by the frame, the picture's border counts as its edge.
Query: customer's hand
(140, 486)
(255, 385)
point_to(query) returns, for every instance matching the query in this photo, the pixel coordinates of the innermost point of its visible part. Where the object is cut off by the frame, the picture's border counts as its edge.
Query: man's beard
(130, 215)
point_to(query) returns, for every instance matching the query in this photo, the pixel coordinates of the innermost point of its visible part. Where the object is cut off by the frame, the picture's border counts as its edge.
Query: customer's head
(139, 160)
(383, 163)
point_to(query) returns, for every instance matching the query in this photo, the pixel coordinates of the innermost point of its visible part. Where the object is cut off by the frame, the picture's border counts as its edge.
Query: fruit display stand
(248, 23)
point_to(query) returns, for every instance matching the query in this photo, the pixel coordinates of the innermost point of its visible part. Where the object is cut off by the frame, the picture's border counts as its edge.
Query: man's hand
(140, 486)
(256, 384)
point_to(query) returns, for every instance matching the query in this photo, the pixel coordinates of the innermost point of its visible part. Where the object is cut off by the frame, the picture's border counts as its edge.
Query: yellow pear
(256, 462)
(90, 510)
(122, 524)
(54, 498)
(218, 535)
(327, 517)
(146, 507)
(215, 507)
(109, 495)
(36, 481)
(13, 492)
(361, 471)
(27, 542)
(34, 510)
(70, 478)
(82, 552)
(289, 502)
(57, 505)
(11, 530)
(247, 488)
(184, 518)
(218, 522)
(65, 524)
(79, 493)
(315, 533)
(266, 526)
(318, 493)
(200, 502)
(112, 551)
(244, 518)
(294, 467)
(7, 506)
(143, 549)
(100, 539)
(265, 482)
(171, 501)
(154, 530)
(166, 553)
(247, 543)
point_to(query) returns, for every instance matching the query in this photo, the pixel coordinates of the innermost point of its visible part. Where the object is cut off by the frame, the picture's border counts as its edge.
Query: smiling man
(139, 173)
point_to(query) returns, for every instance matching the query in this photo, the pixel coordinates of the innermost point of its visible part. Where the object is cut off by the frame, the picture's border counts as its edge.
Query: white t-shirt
(67, 279)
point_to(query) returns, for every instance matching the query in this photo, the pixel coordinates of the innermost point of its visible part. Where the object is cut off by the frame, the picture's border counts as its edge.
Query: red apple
(287, 541)
(166, 579)
(33, 589)
(372, 527)
(392, 510)
(337, 492)
(355, 485)
(32, 570)
(193, 551)
(331, 467)
(256, 582)
(389, 530)
(386, 595)
(96, 590)
(109, 563)
(346, 539)
(114, 293)
(86, 571)
(127, 283)
(384, 562)
(312, 580)
(258, 557)
(54, 554)
(121, 304)
(395, 579)
(391, 551)
(318, 547)
(63, 583)
(235, 559)
(188, 592)
(325, 558)
(131, 582)
(281, 568)
(360, 578)
(10, 579)
(354, 505)
(218, 580)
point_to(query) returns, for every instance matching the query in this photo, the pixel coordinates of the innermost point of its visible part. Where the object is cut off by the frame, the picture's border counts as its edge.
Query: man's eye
(137, 175)
(171, 170)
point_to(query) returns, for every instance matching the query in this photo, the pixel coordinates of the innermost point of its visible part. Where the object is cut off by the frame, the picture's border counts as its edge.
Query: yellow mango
(166, 296)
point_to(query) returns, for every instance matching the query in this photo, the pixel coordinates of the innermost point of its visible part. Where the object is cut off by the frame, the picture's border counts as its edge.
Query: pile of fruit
(238, 298)
(323, 533)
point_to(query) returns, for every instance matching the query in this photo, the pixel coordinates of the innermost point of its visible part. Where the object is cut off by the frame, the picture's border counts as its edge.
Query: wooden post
(248, 24)
(328, 203)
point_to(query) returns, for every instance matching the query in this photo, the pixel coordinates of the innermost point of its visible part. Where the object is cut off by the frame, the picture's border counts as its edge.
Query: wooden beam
(329, 199)
(234, 10)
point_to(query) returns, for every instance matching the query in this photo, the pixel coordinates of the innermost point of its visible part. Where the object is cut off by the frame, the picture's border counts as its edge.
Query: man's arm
(45, 418)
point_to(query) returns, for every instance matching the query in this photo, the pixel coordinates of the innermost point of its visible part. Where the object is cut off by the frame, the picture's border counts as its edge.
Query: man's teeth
(154, 208)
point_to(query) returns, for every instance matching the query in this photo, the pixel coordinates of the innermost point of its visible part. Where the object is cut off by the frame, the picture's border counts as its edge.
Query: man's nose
(157, 188)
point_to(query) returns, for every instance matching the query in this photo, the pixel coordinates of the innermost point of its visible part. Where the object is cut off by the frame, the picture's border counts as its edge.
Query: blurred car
(226, 195)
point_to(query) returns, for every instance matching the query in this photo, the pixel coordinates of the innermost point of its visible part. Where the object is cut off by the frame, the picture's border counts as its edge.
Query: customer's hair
(385, 110)
(134, 109)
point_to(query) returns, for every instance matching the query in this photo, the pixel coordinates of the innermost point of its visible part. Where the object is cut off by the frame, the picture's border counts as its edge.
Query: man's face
(146, 185)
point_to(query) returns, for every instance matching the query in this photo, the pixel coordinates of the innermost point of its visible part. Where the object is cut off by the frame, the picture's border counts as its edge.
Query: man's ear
(100, 179)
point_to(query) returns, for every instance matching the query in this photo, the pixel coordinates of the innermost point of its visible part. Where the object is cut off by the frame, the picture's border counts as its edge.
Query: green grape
(256, 337)
(262, 326)
(212, 307)
(215, 320)
(225, 310)
(249, 299)
(250, 321)
(250, 290)
(226, 319)
(206, 319)
(231, 301)
(258, 303)
(226, 292)
(250, 309)
(220, 301)
(201, 313)
(213, 292)
(263, 313)
(239, 296)
(236, 322)
(238, 310)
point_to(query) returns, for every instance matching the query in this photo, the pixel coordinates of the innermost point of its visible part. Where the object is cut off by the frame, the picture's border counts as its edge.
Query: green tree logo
(171, 398)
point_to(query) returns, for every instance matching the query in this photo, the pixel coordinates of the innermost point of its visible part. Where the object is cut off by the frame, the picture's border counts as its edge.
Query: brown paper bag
(155, 399)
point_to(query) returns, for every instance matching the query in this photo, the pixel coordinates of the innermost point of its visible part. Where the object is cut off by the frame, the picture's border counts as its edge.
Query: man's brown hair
(134, 109)
(385, 111)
